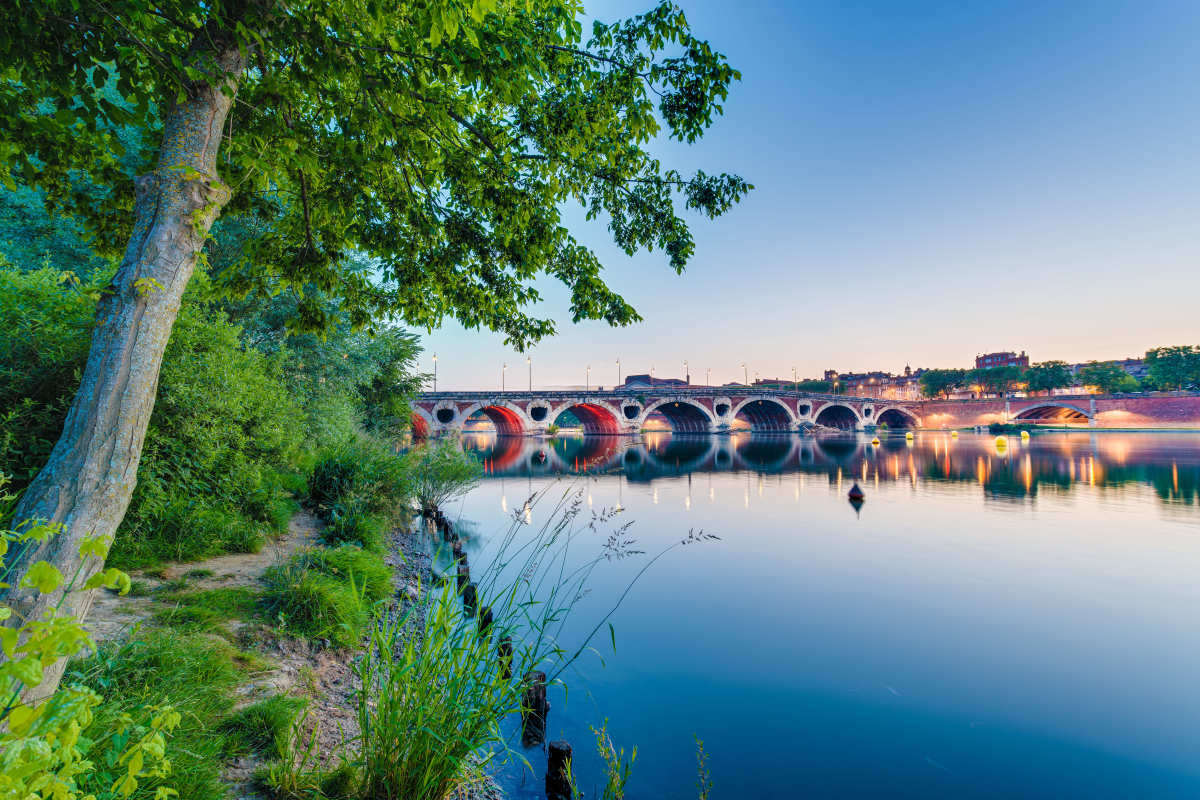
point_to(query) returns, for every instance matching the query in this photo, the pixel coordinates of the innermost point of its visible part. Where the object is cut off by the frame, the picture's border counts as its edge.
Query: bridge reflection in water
(1170, 463)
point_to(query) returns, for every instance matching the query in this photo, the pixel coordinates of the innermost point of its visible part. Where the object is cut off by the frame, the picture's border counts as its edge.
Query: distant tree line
(1168, 368)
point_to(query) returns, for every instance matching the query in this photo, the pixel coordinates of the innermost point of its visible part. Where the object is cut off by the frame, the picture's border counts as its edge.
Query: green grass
(327, 594)
(199, 573)
(194, 673)
(207, 610)
(263, 728)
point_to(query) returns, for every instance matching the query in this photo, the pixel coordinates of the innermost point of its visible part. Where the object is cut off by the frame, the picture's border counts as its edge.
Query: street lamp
(745, 375)
(529, 362)
(794, 379)
(618, 372)
(687, 375)
(708, 376)
(587, 385)
(435, 372)
(503, 370)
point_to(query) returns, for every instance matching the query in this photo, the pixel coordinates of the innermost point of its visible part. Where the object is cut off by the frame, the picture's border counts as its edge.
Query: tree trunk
(87, 482)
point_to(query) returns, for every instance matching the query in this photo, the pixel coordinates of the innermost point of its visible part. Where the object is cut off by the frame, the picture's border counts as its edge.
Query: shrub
(328, 594)
(262, 728)
(440, 472)
(68, 745)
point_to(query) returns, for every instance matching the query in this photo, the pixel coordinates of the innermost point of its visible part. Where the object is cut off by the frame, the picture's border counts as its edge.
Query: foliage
(328, 594)
(43, 344)
(821, 387)
(263, 727)
(1048, 376)
(552, 429)
(46, 744)
(940, 382)
(356, 489)
(995, 380)
(1176, 367)
(195, 673)
(440, 471)
(442, 138)
(1107, 377)
(430, 706)
(617, 767)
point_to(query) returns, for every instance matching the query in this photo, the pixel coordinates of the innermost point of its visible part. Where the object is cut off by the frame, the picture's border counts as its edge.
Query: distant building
(1005, 359)
(883, 385)
(650, 382)
(1136, 367)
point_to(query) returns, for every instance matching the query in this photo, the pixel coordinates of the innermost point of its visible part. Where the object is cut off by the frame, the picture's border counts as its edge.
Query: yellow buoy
(953, 434)
(1024, 434)
(908, 435)
(875, 441)
(1001, 442)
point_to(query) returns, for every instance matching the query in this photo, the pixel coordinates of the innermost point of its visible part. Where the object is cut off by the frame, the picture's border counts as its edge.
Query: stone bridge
(686, 410)
(713, 410)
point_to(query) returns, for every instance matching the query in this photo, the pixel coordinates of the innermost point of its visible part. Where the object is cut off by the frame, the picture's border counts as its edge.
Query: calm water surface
(993, 622)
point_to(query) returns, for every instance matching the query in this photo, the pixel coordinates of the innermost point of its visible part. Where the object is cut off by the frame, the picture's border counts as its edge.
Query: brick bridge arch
(598, 416)
(1050, 410)
(509, 418)
(766, 414)
(683, 414)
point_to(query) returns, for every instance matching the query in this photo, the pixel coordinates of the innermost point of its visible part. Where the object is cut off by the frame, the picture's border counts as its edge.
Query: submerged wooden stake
(534, 708)
(558, 771)
(470, 597)
(464, 575)
(505, 652)
(485, 619)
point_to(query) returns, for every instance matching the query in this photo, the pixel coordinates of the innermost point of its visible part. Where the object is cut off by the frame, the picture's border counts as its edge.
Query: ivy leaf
(43, 576)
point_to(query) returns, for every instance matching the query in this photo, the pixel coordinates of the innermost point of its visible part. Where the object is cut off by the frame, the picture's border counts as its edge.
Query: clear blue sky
(934, 179)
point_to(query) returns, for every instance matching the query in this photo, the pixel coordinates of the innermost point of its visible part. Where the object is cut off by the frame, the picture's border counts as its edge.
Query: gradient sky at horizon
(933, 180)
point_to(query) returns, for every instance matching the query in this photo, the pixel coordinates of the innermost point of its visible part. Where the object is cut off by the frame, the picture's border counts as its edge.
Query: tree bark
(87, 482)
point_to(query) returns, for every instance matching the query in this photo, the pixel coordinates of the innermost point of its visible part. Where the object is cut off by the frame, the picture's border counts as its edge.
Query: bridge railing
(685, 391)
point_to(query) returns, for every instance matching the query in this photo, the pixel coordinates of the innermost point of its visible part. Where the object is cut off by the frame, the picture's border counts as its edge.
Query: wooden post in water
(505, 652)
(485, 620)
(558, 771)
(464, 575)
(534, 708)
(470, 597)
(457, 548)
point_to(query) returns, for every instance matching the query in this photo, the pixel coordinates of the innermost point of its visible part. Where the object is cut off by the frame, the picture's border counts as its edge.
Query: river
(1015, 620)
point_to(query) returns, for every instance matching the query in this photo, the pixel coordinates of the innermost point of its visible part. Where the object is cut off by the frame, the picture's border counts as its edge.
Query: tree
(940, 382)
(1107, 377)
(1174, 367)
(996, 380)
(440, 139)
(1048, 376)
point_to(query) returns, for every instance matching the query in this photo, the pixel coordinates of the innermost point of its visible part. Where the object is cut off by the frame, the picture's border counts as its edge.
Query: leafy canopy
(440, 137)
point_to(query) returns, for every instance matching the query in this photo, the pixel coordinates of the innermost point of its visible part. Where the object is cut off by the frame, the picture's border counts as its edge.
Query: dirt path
(112, 616)
(298, 667)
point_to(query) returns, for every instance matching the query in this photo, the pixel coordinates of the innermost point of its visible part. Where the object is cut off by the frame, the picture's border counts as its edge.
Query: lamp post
(529, 363)
(503, 370)
(708, 376)
(587, 384)
(435, 372)
(745, 375)
(687, 375)
(618, 372)
(797, 387)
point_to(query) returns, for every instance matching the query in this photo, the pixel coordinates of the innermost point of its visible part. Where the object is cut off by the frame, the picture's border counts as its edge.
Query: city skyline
(932, 182)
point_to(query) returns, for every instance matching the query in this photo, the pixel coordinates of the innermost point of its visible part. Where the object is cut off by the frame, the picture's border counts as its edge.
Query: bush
(328, 594)
(440, 472)
(356, 489)
(195, 673)
(262, 728)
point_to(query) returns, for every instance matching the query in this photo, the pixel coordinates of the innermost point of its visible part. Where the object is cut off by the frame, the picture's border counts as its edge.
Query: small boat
(857, 493)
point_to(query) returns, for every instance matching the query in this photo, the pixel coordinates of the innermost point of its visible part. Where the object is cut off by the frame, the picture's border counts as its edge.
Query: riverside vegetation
(159, 712)
(213, 217)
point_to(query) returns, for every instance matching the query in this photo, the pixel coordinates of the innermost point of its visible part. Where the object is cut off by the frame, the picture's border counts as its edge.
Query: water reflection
(1006, 468)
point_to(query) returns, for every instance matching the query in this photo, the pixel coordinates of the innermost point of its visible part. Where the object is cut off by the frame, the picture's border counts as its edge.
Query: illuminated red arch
(597, 420)
(508, 421)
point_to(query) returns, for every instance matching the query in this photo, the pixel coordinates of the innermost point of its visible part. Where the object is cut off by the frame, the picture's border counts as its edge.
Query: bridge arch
(838, 415)
(1054, 412)
(897, 417)
(765, 414)
(684, 415)
(509, 419)
(597, 416)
